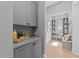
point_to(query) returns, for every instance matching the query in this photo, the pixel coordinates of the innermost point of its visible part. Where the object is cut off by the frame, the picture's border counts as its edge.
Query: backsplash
(26, 29)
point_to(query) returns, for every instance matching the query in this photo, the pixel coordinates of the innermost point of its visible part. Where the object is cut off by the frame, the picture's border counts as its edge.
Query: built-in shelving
(65, 26)
(53, 27)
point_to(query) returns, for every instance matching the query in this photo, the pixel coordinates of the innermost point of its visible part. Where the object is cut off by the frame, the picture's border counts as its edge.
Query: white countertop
(31, 39)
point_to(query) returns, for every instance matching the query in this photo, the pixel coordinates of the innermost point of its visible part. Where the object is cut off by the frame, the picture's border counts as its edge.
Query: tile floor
(54, 50)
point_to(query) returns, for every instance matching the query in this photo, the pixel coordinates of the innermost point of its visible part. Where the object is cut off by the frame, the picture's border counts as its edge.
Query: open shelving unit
(53, 27)
(65, 26)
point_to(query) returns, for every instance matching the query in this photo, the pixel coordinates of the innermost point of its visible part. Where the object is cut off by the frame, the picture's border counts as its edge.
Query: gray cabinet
(38, 49)
(23, 52)
(24, 13)
(33, 11)
(31, 50)
(67, 45)
(19, 13)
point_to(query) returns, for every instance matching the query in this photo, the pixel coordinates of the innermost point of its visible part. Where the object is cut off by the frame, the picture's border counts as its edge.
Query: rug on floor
(57, 44)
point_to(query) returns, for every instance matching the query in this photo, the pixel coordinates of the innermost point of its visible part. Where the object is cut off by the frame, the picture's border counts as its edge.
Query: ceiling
(49, 3)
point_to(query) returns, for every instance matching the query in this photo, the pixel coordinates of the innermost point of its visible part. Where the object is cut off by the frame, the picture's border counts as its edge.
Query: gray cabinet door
(28, 22)
(24, 52)
(31, 50)
(24, 13)
(33, 13)
(38, 49)
(19, 12)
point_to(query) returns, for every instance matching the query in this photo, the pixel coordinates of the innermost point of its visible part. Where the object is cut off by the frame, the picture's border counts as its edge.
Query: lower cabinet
(38, 49)
(67, 45)
(31, 50)
(23, 52)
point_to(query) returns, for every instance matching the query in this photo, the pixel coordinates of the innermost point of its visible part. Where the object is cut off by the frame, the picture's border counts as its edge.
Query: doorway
(59, 30)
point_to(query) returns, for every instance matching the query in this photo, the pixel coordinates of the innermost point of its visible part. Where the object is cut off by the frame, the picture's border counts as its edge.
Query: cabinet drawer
(67, 46)
(24, 51)
(23, 47)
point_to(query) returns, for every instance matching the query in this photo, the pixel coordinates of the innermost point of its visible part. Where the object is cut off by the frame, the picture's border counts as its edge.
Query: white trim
(49, 4)
(60, 13)
(75, 2)
(44, 56)
(75, 53)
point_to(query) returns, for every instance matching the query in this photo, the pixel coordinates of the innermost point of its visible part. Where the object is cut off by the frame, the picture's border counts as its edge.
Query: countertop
(27, 41)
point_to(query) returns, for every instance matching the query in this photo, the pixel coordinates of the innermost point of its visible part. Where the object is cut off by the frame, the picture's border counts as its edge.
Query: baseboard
(44, 56)
(75, 53)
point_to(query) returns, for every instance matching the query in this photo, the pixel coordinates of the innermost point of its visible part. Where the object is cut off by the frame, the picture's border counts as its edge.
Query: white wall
(48, 28)
(60, 7)
(40, 29)
(6, 29)
(49, 3)
(75, 29)
(41, 22)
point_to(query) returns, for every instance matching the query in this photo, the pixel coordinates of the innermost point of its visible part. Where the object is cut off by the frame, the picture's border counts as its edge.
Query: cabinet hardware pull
(33, 43)
(28, 23)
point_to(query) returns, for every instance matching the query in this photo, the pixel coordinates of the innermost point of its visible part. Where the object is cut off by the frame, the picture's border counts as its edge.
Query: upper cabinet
(24, 13)
(33, 13)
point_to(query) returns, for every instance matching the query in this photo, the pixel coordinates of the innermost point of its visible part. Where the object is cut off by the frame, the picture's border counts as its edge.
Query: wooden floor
(54, 52)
